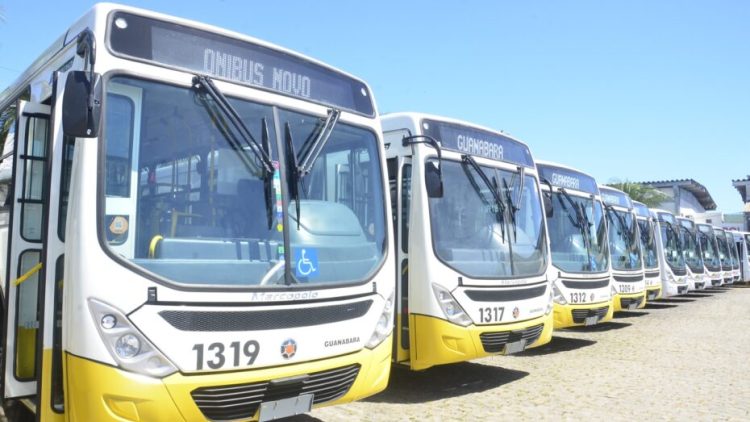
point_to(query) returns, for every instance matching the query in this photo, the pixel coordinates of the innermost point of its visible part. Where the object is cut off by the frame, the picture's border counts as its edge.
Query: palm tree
(641, 193)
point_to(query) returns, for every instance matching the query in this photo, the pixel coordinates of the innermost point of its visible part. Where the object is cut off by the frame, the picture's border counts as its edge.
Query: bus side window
(119, 137)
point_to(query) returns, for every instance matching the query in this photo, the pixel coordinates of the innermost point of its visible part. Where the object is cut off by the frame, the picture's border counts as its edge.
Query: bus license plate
(592, 320)
(633, 305)
(515, 347)
(285, 407)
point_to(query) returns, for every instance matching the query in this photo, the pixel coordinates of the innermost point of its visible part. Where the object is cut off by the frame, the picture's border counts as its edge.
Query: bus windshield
(623, 238)
(470, 235)
(189, 200)
(578, 234)
(671, 242)
(747, 244)
(721, 240)
(709, 248)
(648, 244)
(691, 250)
(732, 247)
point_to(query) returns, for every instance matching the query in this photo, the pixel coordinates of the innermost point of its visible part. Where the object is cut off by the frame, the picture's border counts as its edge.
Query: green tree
(641, 193)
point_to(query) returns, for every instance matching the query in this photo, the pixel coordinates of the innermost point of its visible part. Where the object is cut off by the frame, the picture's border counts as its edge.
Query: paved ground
(687, 357)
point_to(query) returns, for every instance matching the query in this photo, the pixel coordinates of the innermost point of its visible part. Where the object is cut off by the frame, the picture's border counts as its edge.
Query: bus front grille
(241, 401)
(580, 315)
(494, 342)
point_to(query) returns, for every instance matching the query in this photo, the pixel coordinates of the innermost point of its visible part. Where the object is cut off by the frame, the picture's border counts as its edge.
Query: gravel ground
(680, 358)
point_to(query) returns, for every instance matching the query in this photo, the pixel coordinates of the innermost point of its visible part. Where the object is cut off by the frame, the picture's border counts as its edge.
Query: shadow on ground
(629, 314)
(716, 290)
(600, 328)
(651, 305)
(701, 294)
(557, 345)
(674, 300)
(442, 382)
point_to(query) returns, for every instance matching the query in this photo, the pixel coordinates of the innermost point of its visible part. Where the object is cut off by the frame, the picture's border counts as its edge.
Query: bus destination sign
(477, 142)
(222, 57)
(568, 179)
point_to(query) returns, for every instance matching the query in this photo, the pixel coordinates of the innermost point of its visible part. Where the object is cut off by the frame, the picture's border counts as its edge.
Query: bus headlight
(128, 347)
(557, 295)
(450, 306)
(384, 326)
(670, 277)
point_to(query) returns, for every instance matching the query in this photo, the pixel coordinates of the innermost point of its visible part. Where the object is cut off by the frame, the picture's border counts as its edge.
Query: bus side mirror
(547, 200)
(82, 104)
(433, 180)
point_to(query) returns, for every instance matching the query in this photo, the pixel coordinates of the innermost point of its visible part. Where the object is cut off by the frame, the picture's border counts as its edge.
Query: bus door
(33, 361)
(399, 176)
(25, 268)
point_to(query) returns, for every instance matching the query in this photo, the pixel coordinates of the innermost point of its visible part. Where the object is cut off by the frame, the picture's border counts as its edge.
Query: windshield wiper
(581, 222)
(205, 84)
(300, 166)
(500, 213)
(514, 207)
(262, 152)
(621, 221)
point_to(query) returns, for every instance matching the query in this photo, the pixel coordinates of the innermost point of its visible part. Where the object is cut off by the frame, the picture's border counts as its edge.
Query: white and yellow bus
(198, 228)
(473, 256)
(672, 260)
(711, 254)
(628, 285)
(725, 255)
(581, 275)
(651, 265)
(734, 255)
(697, 276)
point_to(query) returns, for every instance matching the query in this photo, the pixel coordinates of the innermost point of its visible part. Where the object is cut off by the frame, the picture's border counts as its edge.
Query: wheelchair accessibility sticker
(306, 263)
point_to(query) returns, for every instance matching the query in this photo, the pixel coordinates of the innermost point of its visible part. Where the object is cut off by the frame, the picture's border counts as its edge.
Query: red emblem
(288, 348)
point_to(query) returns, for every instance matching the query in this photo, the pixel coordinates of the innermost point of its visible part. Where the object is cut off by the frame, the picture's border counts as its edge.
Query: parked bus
(697, 278)
(734, 254)
(578, 241)
(473, 256)
(628, 285)
(711, 254)
(742, 240)
(199, 228)
(647, 234)
(672, 261)
(725, 256)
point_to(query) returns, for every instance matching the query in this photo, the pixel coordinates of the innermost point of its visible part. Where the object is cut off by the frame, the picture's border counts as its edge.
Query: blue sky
(638, 90)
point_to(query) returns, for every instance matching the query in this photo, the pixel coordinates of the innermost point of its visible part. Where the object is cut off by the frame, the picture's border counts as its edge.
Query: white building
(685, 197)
(743, 187)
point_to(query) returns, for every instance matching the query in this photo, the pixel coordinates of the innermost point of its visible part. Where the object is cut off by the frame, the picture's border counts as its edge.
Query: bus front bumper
(440, 342)
(582, 315)
(653, 293)
(99, 392)
(630, 301)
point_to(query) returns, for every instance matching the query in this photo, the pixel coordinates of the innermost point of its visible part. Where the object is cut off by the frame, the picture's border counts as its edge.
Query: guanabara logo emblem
(516, 312)
(288, 348)
(593, 297)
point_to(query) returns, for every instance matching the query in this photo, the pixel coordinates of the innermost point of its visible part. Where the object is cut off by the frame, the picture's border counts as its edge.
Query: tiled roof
(698, 190)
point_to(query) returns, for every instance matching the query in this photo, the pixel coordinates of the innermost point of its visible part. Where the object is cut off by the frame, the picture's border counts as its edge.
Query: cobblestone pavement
(680, 358)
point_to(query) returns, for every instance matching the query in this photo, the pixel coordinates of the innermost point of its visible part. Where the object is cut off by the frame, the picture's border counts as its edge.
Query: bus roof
(96, 19)
(612, 196)
(462, 136)
(566, 177)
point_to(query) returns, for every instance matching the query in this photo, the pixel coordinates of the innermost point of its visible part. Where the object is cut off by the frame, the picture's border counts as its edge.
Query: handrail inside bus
(28, 274)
